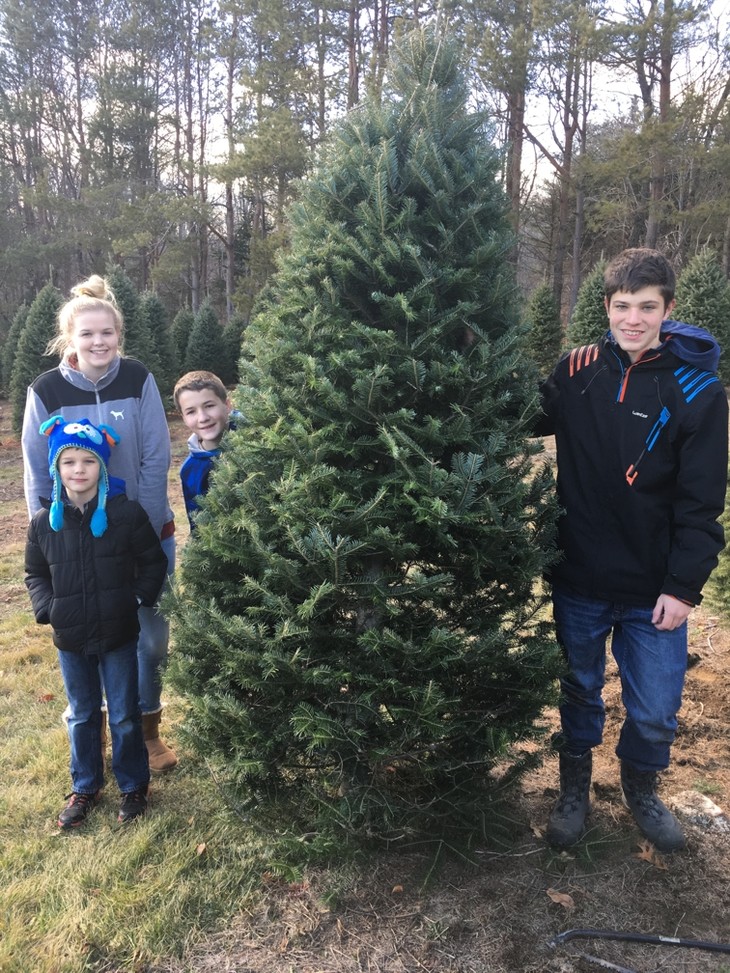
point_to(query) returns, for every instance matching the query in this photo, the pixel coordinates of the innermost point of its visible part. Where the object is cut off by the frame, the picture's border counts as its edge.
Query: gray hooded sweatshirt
(125, 398)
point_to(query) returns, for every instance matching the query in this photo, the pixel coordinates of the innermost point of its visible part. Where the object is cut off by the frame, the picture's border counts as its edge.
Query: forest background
(167, 139)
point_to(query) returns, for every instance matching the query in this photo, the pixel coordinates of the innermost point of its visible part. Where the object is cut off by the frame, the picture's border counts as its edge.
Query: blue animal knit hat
(81, 434)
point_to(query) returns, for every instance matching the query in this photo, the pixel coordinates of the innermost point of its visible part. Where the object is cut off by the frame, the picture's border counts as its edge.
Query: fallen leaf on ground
(648, 853)
(537, 830)
(561, 898)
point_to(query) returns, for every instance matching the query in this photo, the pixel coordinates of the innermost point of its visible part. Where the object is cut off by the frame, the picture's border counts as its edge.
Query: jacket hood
(194, 442)
(197, 450)
(693, 345)
(116, 486)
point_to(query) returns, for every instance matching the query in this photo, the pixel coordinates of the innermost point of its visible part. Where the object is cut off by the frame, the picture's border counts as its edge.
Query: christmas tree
(703, 299)
(545, 332)
(152, 320)
(355, 616)
(232, 338)
(205, 348)
(137, 340)
(30, 355)
(10, 347)
(589, 320)
(182, 325)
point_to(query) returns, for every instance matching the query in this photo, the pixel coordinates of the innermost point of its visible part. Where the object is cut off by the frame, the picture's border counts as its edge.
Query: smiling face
(204, 414)
(95, 339)
(635, 319)
(79, 471)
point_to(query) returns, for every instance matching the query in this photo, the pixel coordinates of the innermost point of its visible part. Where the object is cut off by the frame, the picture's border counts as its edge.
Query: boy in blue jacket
(640, 423)
(91, 559)
(203, 403)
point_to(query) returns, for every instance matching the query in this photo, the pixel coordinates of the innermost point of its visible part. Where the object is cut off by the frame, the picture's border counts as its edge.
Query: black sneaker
(134, 805)
(77, 809)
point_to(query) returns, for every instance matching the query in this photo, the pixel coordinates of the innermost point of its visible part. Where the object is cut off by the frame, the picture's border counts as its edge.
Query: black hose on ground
(638, 937)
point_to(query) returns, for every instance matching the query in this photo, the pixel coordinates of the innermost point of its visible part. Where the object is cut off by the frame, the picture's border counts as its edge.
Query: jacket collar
(80, 381)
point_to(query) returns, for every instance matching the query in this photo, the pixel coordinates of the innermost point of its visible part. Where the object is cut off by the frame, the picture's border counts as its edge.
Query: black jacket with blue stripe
(642, 466)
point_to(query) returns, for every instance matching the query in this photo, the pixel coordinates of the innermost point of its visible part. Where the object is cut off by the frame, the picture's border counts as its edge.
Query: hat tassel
(98, 518)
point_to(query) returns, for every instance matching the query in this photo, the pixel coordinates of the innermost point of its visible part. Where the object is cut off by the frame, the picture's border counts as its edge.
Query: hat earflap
(99, 520)
(55, 514)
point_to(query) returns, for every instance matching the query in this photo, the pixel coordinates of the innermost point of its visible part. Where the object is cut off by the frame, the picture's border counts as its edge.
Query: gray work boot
(655, 820)
(565, 824)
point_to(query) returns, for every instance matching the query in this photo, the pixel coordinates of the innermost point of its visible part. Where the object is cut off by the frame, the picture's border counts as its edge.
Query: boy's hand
(669, 613)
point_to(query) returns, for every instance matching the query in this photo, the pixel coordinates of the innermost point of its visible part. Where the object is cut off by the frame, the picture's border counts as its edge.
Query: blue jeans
(152, 643)
(82, 679)
(652, 665)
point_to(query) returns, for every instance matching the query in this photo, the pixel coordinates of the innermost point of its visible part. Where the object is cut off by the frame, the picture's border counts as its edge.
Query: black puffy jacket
(87, 587)
(642, 467)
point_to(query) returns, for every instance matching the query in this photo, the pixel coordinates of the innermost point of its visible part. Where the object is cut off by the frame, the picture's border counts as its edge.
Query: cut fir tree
(355, 618)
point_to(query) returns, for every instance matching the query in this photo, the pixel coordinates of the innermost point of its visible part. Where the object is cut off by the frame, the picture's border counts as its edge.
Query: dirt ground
(501, 911)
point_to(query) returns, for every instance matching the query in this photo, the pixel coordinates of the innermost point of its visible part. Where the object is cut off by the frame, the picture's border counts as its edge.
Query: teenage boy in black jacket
(91, 559)
(640, 420)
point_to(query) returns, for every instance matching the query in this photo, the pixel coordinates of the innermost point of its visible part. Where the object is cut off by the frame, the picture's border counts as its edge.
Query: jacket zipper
(664, 416)
(625, 375)
(633, 470)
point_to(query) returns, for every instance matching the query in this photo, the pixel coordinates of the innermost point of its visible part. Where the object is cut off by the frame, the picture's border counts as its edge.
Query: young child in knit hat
(92, 557)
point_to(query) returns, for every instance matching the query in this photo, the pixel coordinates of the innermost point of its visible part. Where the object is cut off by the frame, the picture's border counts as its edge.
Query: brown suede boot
(161, 757)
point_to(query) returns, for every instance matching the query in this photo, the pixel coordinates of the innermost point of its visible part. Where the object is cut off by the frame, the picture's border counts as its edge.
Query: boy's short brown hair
(196, 382)
(639, 267)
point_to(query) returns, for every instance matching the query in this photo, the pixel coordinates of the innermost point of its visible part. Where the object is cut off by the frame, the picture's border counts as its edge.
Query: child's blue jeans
(652, 665)
(82, 679)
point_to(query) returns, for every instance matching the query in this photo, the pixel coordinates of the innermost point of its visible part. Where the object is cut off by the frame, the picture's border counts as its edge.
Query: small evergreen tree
(232, 337)
(544, 329)
(355, 615)
(182, 325)
(152, 319)
(205, 346)
(589, 320)
(10, 347)
(31, 358)
(703, 299)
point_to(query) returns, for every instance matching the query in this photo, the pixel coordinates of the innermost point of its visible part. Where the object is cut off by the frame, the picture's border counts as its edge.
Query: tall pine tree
(355, 614)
